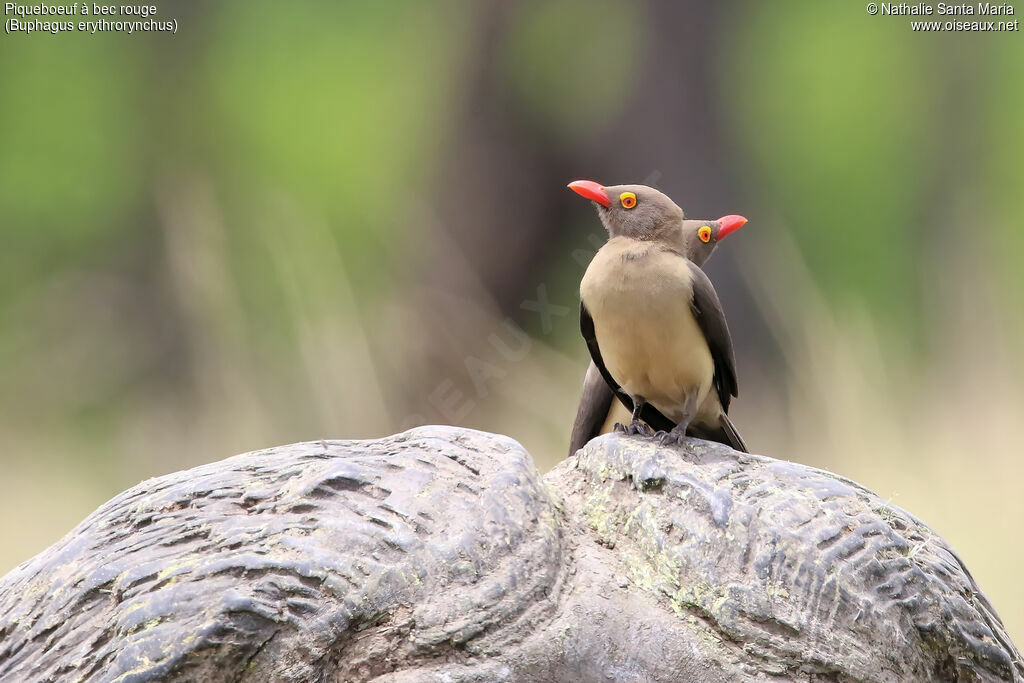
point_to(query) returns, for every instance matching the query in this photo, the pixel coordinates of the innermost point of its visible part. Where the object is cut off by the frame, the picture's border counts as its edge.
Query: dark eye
(628, 200)
(704, 233)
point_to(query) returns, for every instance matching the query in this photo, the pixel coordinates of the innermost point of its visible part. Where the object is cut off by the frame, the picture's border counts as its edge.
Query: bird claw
(619, 427)
(670, 439)
(639, 429)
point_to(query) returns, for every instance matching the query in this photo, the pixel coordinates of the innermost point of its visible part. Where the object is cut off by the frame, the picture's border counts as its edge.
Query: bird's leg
(637, 426)
(678, 433)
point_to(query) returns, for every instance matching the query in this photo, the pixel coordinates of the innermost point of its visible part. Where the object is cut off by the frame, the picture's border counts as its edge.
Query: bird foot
(639, 429)
(619, 427)
(671, 439)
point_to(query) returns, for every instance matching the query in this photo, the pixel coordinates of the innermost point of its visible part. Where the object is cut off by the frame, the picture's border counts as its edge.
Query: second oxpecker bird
(652, 320)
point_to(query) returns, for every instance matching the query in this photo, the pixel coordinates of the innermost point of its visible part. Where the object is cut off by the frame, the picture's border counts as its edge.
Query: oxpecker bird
(652, 320)
(598, 410)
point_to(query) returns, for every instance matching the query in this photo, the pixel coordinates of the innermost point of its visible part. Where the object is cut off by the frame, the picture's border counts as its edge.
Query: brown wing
(708, 311)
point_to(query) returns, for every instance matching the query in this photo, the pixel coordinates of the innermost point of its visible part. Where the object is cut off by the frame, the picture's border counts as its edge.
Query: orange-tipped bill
(730, 224)
(592, 191)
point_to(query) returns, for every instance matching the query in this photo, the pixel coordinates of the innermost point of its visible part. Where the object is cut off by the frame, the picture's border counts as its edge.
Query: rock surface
(441, 554)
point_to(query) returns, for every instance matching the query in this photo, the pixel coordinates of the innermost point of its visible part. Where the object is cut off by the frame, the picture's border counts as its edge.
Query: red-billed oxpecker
(598, 410)
(653, 322)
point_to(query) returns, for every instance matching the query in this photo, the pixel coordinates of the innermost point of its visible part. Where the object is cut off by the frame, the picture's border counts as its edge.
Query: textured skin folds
(441, 554)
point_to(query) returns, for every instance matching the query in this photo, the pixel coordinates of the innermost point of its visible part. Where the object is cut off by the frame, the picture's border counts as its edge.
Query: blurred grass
(220, 241)
(818, 116)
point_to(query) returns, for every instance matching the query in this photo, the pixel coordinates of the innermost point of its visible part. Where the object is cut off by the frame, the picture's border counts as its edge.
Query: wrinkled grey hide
(441, 554)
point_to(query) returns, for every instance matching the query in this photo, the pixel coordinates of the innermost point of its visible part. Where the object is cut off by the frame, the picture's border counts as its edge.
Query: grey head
(634, 211)
(701, 237)
(643, 213)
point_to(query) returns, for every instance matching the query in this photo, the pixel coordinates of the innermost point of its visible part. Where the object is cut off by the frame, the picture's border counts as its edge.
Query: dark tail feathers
(725, 433)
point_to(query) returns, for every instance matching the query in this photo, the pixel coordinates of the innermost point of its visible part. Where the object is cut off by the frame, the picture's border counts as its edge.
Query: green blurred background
(294, 221)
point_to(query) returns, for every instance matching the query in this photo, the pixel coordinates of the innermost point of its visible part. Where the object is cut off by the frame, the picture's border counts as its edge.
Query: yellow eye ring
(704, 233)
(628, 200)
